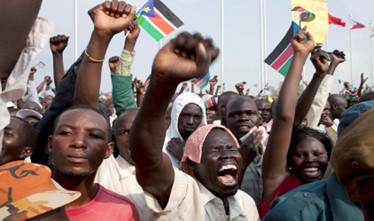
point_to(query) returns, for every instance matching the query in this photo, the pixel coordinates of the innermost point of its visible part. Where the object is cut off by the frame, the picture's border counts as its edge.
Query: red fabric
(356, 25)
(290, 183)
(106, 205)
(336, 21)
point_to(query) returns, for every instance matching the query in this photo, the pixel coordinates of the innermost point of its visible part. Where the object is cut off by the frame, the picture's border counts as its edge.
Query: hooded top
(172, 132)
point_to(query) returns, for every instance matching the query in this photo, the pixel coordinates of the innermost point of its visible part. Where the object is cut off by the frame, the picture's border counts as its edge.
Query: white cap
(23, 113)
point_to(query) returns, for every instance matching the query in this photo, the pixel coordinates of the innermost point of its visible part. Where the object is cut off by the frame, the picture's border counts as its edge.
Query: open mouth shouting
(227, 174)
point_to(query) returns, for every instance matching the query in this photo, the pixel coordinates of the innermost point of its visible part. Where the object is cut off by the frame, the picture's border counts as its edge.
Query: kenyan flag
(157, 19)
(281, 57)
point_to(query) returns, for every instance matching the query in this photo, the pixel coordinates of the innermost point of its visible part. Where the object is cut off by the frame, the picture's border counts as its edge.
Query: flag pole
(371, 56)
(222, 44)
(75, 30)
(262, 43)
(350, 48)
(265, 45)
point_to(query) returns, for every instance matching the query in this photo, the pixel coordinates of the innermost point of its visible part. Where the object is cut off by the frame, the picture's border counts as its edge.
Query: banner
(317, 26)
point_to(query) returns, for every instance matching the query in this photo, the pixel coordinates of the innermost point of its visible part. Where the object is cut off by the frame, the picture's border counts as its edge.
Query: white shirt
(117, 175)
(319, 102)
(17, 82)
(190, 200)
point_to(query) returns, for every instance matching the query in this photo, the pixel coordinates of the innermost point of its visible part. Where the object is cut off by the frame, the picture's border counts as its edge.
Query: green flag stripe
(284, 69)
(150, 28)
(204, 85)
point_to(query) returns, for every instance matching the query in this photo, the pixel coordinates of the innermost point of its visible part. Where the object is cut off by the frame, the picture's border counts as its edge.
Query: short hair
(335, 98)
(28, 133)
(241, 98)
(261, 101)
(367, 97)
(298, 134)
(84, 107)
(226, 94)
(116, 124)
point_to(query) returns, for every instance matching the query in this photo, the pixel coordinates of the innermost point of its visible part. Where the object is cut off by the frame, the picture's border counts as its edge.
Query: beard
(75, 175)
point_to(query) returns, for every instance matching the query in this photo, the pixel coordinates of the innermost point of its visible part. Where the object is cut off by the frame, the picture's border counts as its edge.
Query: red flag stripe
(286, 54)
(336, 21)
(161, 23)
(209, 103)
(357, 26)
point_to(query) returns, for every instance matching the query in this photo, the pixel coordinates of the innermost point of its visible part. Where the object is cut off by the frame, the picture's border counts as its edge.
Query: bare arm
(217, 90)
(362, 82)
(58, 44)
(212, 84)
(139, 92)
(183, 88)
(320, 62)
(106, 26)
(319, 101)
(275, 157)
(192, 86)
(184, 58)
(41, 85)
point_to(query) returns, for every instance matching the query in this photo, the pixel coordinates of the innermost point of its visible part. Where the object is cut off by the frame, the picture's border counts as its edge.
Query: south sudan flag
(281, 57)
(157, 19)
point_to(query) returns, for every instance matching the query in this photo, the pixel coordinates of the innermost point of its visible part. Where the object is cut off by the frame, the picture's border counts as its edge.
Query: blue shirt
(323, 200)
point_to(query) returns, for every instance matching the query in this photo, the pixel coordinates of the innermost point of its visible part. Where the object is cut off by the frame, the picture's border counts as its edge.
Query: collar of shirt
(125, 168)
(208, 199)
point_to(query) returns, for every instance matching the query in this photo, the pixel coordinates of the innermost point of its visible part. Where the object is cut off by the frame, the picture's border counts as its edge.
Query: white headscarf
(172, 132)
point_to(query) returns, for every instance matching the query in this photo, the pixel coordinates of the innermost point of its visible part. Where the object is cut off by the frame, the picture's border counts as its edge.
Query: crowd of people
(145, 151)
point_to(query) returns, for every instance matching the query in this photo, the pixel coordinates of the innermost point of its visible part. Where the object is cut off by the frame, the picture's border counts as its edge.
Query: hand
(363, 80)
(250, 147)
(58, 43)
(319, 59)
(112, 17)
(139, 86)
(185, 57)
(134, 32)
(240, 87)
(247, 91)
(32, 72)
(48, 80)
(132, 37)
(300, 45)
(113, 62)
(337, 59)
(213, 81)
(176, 148)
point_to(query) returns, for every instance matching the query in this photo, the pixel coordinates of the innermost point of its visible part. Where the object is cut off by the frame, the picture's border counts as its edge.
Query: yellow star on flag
(147, 9)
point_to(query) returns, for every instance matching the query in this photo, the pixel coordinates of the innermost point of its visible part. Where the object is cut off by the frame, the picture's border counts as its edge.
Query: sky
(240, 54)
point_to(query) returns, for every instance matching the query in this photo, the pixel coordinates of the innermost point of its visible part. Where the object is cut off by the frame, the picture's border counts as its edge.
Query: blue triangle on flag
(147, 9)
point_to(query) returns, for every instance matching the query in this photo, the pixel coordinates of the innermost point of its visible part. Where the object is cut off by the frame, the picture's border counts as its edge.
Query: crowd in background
(145, 151)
